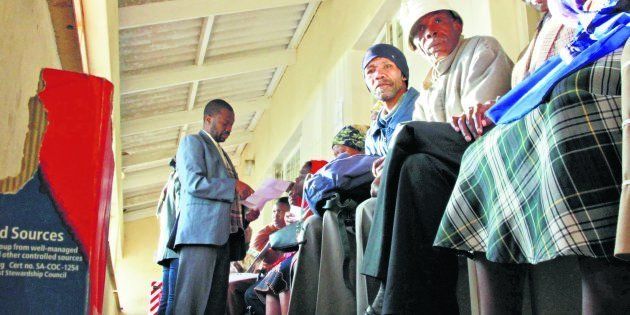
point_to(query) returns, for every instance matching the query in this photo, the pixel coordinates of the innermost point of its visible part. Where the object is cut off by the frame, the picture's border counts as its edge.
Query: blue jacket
(344, 173)
(380, 133)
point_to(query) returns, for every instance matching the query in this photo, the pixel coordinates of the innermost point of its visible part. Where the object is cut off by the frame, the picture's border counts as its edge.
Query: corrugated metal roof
(234, 88)
(157, 140)
(267, 30)
(154, 102)
(159, 47)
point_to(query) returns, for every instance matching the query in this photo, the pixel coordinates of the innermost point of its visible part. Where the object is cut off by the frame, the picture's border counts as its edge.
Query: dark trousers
(253, 302)
(169, 278)
(236, 296)
(418, 177)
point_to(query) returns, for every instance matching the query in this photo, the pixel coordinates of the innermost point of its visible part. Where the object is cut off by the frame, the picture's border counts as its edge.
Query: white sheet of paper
(235, 277)
(270, 189)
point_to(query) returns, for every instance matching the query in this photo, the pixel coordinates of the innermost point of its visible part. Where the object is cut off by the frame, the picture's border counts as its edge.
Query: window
(292, 166)
(391, 34)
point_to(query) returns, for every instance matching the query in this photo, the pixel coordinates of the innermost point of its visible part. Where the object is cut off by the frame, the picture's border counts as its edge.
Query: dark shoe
(377, 305)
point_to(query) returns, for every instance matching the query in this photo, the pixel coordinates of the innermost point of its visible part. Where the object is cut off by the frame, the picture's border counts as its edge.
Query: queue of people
(507, 164)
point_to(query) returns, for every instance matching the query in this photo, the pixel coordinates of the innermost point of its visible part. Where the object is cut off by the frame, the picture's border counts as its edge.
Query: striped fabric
(547, 185)
(154, 298)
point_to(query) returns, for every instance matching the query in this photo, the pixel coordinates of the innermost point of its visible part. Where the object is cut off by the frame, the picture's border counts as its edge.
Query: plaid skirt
(547, 185)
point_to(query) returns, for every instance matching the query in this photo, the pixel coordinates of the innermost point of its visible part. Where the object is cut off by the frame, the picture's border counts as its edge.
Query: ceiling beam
(254, 122)
(275, 80)
(148, 164)
(165, 121)
(192, 96)
(171, 11)
(146, 178)
(139, 214)
(135, 201)
(135, 163)
(147, 204)
(308, 15)
(204, 39)
(252, 63)
(142, 205)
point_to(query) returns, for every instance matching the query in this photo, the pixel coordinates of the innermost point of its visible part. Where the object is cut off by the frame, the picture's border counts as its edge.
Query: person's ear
(459, 27)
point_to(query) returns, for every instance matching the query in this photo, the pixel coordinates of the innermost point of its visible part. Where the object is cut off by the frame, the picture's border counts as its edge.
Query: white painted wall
(137, 269)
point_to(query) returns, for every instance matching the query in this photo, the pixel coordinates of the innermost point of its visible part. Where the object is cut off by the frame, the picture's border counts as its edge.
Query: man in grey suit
(210, 211)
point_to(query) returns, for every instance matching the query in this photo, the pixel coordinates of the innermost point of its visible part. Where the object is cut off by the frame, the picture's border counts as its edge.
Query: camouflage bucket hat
(351, 136)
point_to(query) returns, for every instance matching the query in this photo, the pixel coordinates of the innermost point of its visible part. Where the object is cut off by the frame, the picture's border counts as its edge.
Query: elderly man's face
(539, 5)
(383, 78)
(437, 34)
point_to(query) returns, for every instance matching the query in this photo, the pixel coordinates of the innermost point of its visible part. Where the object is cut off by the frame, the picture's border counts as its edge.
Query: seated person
(545, 182)
(622, 243)
(386, 74)
(236, 290)
(271, 256)
(349, 141)
(273, 289)
(347, 177)
(551, 36)
(423, 162)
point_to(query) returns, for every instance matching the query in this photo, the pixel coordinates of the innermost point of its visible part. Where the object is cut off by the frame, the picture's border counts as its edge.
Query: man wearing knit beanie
(390, 52)
(386, 75)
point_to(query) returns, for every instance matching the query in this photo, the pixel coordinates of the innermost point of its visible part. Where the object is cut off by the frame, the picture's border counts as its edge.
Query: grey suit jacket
(206, 195)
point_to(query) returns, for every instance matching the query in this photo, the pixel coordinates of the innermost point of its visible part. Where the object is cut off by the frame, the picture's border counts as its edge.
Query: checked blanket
(547, 185)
